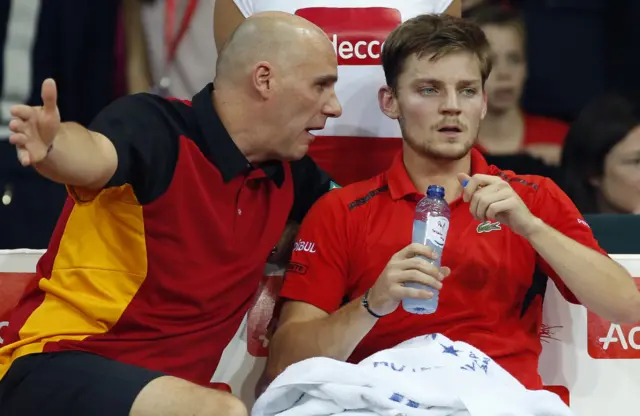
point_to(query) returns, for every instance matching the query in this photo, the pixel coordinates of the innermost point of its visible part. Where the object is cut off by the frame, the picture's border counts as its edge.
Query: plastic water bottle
(430, 226)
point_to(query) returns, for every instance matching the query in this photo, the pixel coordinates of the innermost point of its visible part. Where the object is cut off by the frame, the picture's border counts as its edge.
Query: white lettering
(610, 338)
(305, 246)
(361, 50)
(616, 334)
(370, 49)
(632, 338)
(334, 42)
(265, 341)
(345, 49)
(358, 49)
(583, 222)
(2, 325)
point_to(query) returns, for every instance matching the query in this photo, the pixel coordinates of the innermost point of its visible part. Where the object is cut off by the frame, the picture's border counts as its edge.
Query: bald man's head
(277, 74)
(281, 39)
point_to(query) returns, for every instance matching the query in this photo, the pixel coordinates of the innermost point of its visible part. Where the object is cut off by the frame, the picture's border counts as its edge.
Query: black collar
(220, 148)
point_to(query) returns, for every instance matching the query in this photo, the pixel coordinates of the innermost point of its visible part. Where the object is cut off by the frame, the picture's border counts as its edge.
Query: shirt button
(239, 211)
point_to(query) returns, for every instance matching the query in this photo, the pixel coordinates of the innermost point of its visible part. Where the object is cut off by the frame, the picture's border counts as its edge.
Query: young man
(507, 232)
(363, 142)
(148, 274)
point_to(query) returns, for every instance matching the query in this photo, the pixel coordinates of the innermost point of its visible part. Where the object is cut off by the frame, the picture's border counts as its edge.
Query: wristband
(365, 303)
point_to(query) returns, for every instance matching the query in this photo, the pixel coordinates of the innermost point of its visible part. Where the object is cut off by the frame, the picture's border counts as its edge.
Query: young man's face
(439, 104)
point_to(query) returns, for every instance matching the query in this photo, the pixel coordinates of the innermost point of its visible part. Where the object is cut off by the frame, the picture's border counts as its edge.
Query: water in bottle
(430, 226)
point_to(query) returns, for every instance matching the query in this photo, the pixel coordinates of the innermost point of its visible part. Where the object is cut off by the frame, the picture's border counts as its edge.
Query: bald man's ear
(262, 78)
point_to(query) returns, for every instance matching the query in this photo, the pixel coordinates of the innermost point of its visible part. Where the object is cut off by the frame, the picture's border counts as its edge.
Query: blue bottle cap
(435, 191)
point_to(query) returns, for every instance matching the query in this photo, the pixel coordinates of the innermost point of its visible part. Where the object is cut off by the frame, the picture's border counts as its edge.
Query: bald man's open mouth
(310, 130)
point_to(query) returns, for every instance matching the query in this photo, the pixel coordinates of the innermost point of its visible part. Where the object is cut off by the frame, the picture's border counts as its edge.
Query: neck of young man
(502, 132)
(426, 170)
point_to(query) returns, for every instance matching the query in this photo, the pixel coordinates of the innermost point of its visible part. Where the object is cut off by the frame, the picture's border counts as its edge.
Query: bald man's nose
(333, 108)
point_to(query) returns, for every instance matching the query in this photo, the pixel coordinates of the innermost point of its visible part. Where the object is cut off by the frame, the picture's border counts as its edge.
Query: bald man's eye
(325, 83)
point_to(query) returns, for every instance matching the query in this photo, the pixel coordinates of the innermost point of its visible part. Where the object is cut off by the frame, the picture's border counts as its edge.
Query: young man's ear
(388, 103)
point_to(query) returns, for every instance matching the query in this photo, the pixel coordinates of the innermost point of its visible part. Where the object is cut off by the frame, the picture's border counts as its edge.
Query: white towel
(425, 376)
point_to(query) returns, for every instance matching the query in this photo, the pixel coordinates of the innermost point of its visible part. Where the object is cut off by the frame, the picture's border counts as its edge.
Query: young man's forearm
(80, 158)
(334, 336)
(600, 284)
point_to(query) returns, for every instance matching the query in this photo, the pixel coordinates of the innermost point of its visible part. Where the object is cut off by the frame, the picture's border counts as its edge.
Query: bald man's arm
(455, 8)
(226, 18)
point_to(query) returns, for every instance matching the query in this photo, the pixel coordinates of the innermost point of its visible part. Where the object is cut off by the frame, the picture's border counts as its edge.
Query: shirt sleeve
(146, 143)
(557, 210)
(318, 271)
(310, 183)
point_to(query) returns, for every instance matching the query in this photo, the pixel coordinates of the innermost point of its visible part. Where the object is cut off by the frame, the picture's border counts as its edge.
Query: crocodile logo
(488, 226)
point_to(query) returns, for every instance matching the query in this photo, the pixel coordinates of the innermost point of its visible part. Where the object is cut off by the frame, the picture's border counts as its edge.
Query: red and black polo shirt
(159, 268)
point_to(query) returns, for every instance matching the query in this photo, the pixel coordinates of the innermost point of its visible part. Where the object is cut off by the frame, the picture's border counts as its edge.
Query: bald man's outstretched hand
(67, 152)
(34, 128)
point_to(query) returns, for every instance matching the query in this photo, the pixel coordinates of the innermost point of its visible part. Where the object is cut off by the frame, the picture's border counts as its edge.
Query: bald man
(173, 208)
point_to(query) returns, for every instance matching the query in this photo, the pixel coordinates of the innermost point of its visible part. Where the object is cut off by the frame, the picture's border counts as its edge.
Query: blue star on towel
(450, 350)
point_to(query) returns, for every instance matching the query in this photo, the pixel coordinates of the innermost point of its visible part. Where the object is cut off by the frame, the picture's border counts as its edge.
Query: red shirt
(543, 130)
(493, 297)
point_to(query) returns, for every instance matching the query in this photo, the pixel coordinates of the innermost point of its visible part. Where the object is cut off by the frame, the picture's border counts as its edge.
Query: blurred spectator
(507, 129)
(73, 42)
(601, 158)
(168, 46)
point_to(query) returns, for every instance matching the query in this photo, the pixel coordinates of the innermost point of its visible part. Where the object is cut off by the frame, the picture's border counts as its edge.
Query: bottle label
(437, 228)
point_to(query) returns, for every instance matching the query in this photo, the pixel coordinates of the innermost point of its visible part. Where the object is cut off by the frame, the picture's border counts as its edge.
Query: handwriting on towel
(475, 362)
(400, 367)
(481, 363)
(399, 398)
